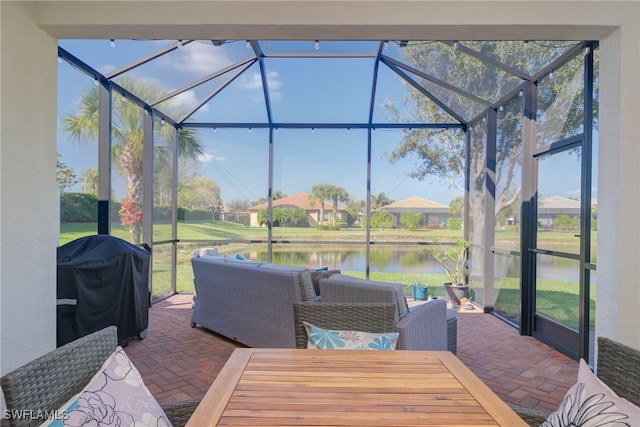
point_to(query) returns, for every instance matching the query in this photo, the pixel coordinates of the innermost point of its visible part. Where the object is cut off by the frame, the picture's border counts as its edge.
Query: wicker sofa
(246, 301)
(252, 303)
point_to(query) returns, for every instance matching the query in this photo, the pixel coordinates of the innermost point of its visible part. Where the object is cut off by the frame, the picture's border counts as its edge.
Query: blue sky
(302, 91)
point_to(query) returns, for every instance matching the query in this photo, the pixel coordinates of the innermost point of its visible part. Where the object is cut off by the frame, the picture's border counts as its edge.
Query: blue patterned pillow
(326, 339)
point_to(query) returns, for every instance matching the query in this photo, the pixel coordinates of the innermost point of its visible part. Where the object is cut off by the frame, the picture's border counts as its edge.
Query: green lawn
(556, 299)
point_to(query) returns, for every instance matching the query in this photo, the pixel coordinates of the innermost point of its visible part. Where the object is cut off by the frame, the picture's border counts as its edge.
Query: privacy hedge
(83, 207)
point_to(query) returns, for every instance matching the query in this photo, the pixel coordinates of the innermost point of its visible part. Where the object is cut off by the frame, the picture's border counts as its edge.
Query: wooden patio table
(299, 387)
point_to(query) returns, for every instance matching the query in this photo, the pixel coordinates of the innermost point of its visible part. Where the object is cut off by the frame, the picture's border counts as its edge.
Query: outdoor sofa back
(245, 303)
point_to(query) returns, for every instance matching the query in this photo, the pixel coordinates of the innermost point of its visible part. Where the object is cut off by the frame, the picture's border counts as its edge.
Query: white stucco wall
(28, 199)
(618, 292)
(28, 118)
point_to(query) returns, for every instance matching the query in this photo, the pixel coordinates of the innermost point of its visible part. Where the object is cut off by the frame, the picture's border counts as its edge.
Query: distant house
(303, 201)
(550, 208)
(235, 216)
(434, 213)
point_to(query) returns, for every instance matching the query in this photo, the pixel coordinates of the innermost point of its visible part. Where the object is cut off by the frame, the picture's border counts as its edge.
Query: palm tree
(337, 194)
(321, 192)
(90, 181)
(380, 200)
(82, 125)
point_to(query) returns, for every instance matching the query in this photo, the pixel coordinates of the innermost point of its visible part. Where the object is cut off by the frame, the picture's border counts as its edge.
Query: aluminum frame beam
(213, 93)
(374, 126)
(325, 55)
(561, 60)
(424, 91)
(490, 61)
(202, 80)
(436, 81)
(104, 157)
(158, 53)
(265, 81)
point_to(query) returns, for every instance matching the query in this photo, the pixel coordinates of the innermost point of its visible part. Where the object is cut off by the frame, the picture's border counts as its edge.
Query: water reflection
(382, 260)
(408, 260)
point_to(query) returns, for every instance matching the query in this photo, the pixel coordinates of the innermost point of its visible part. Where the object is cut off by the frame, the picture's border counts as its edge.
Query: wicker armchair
(373, 317)
(617, 367)
(48, 382)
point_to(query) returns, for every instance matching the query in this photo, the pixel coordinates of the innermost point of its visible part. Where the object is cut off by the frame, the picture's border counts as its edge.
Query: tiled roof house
(435, 214)
(303, 201)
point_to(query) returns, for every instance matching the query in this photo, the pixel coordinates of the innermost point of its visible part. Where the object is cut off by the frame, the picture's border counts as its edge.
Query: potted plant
(420, 291)
(454, 259)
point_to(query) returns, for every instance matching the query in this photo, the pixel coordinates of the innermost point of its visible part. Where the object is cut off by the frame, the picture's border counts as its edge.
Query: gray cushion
(306, 284)
(398, 289)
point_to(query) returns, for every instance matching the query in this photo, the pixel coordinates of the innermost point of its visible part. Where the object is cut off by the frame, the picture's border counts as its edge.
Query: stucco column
(618, 249)
(28, 189)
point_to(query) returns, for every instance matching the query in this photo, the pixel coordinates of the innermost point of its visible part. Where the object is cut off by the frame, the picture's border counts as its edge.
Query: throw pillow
(326, 339)
(320, 273)
(591, 402)
(116, 395)
(204, 252)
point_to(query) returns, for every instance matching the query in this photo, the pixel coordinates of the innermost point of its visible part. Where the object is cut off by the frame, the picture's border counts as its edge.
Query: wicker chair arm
(47, 382)
(618, 368)
(180, 412)
(533, 417)
(424, 327)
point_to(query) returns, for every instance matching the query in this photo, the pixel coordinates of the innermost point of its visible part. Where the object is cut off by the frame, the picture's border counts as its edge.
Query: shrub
(161, 213)
(78, 207)
(186, 214)
(381, 219)
(454, 223)
(285, 217)
(411, 220)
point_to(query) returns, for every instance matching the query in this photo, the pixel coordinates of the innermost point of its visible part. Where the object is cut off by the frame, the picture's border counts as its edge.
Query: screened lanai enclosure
(362, 156)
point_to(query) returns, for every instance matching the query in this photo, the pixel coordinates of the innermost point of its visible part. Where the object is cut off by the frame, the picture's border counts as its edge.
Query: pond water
(409, 260)
(382, 260)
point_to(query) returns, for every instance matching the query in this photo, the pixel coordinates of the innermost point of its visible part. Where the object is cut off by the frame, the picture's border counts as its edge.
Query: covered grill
(102, 280)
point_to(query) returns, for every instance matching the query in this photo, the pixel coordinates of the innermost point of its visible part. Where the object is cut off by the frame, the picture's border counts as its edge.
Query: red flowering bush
(131, 217)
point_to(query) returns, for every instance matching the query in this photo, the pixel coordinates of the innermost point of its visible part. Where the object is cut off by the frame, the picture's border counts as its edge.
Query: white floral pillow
(326, 339)
(115, 396)
(591, 403)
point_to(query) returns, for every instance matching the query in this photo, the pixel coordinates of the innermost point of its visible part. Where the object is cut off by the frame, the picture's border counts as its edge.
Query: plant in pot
(420, 292)
(453, 258)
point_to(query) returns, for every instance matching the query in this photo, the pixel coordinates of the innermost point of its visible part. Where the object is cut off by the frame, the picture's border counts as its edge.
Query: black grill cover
(102, 281)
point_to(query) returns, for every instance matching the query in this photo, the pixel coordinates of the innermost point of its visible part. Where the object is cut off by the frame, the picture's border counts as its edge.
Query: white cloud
(255, 81)
(186, 101)
(106, 68)
(208, 158)
(274, 80)
(252, 82)
(197, 58)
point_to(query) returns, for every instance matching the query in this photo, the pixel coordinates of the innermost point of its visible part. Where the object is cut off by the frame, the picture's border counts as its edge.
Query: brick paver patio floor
(177, 361)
